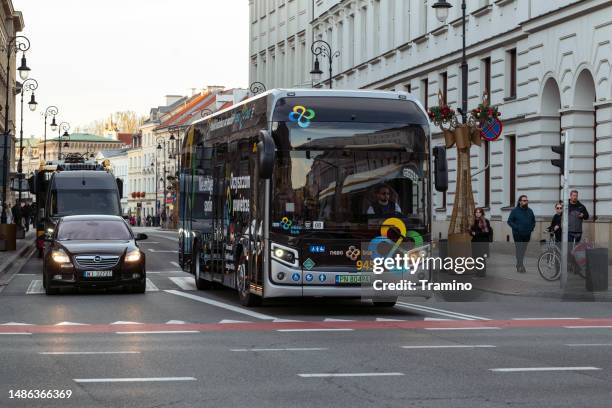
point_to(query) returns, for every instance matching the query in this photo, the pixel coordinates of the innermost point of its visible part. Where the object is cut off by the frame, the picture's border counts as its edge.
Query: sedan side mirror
(140, 236)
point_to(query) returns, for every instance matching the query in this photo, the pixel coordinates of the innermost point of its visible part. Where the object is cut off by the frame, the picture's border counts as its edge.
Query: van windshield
(82, 202)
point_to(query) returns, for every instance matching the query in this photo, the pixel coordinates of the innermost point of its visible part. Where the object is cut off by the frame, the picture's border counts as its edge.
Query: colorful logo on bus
(302, 116)
(286, 223)
(394, 243)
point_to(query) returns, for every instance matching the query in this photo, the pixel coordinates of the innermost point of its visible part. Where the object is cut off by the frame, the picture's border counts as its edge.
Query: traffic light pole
(564, 219)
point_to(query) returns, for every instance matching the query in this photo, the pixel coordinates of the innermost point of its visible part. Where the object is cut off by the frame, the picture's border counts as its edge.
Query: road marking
(590, 345)
(162, 251)
(184, 282)
(35, 287)
(450, 346)
(436, 319)
(588, 327)
(313, 330)
(337, 320)
(463, 328)
(442, 312)
(547, 318)
(176, 322)
(147, 242)
(76, 353)
(159, 332)
(382, 319)
(150, 379)
(11, 333)
(222, 305)
(175, 264)
(285, 321)
(151, 286)
(70, 324)
(26, 274)
(327, 375)
(15, 324)
(284, 349)
(122, 322)
(226, 321)
(528, 369)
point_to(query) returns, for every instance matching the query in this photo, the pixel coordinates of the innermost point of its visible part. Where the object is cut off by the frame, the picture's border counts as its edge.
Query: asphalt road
(178, 347)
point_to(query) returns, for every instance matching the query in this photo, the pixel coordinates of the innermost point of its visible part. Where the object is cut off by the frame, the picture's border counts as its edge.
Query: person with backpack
(522, 222)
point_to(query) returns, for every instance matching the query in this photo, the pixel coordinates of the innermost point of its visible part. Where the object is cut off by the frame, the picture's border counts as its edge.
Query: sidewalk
(8, 258)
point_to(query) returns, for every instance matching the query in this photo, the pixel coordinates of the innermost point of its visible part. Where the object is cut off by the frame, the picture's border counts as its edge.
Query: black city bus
(280, 193)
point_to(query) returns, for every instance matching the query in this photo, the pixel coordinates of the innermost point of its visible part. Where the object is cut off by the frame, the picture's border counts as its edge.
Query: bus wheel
(196, 269)
(242, 284)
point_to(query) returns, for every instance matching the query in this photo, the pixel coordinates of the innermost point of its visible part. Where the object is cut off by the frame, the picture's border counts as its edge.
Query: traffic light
(560, 163)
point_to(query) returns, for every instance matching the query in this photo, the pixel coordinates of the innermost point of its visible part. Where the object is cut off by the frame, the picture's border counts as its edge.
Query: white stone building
(546, 64)
(119, 166)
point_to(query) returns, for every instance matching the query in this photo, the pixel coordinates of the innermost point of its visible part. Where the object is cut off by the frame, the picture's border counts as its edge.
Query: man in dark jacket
(576, 214)
(522, 222)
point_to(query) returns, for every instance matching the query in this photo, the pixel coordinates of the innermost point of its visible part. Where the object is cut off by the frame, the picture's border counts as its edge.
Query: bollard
(597, 269)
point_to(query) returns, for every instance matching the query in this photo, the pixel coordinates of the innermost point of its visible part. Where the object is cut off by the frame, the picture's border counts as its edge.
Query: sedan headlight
(133, 256)
(59, 256)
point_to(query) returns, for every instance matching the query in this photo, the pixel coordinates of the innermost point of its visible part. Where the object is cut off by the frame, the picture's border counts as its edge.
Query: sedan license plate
(352, 279)
(98, 274)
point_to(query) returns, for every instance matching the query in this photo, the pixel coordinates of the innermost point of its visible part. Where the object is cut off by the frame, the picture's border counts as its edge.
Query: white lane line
(382, 319)
(443, 312)
(14, 333)
(175, 264)
(149, 379)
(163, 251)
(15, 324)
(176, 322)
(86, 353)
(148, 242)
(284, 349)
(463, 328)
(158, 332)
(124, 322)
(151, 286)
(71, 324)
(589, 345)
(222, 305)
(313, 330)
(184, 282)
(453, 346)
(285, 321)
(35, 287)
(26, 274)
(226, 321)
(530, 369)
(327, 375)
(588, 327)
(546, 318)
(336, 320)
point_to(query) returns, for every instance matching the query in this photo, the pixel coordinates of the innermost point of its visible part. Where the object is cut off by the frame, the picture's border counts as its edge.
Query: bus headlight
(284, 254)
(133, 256)
(59, 256)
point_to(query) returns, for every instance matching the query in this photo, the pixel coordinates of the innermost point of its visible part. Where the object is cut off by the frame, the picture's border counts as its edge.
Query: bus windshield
(82, 202)
(346, 176)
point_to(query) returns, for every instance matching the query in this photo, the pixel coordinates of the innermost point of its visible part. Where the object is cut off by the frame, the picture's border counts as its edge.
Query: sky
(93, 58)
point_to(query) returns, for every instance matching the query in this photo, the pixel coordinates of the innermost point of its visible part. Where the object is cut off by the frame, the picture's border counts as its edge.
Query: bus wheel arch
(243, 283)
(196, 268)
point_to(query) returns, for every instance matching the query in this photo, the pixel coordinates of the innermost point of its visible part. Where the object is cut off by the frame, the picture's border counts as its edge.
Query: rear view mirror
(440, 169)
(141, 236)
(265, 154)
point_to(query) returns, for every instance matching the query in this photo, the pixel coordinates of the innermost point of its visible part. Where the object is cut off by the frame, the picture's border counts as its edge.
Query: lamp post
(15, 44)
(257, 87)
(51, 110)
(155, 186)
(28, 85)
(322, 48)
(65, 126)
(162, 140)
(442, 7)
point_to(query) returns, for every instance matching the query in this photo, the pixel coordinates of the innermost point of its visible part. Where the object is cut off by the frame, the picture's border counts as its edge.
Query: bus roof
(77, 179)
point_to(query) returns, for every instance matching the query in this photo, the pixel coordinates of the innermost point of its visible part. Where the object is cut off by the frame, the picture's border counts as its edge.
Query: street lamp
(257, 87)
(51, 110)
(28, 85)
(442, 8)
(15, 44)
(65, 126)
(322, 48)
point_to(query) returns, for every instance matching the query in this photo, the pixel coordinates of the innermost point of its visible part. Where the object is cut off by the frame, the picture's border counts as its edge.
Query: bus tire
(242, 285)
(196, 269)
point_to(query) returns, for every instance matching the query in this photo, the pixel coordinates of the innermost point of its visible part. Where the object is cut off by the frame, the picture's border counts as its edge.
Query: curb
(7, 265)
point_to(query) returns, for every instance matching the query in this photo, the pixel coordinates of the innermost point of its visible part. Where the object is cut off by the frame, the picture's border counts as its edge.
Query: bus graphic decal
(302, 116)
(398, 225)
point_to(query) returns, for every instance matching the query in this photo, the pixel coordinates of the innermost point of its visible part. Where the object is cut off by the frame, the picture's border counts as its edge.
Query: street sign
(491, 130)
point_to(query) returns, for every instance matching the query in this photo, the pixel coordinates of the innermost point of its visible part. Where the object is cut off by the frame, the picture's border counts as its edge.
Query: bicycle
(549, 261)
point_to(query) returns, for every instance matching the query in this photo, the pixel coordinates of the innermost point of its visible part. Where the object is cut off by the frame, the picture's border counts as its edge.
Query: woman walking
(482, 235)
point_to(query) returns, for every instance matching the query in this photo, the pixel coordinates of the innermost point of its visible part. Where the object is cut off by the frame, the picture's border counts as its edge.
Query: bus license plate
(352, 279)
(98, 274)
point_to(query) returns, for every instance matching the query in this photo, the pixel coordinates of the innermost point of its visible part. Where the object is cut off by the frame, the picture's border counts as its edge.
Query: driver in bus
(383, 205)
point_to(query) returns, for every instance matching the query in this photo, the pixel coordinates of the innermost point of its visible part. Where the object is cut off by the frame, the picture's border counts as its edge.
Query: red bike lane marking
(269, 326)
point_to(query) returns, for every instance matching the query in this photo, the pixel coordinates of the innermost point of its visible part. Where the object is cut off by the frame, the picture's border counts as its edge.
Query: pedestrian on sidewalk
(482, 235)
(576, 214)
(522, 222)
(555, 223)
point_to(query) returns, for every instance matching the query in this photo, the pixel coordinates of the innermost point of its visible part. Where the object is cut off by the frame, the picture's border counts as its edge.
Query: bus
(280, 194)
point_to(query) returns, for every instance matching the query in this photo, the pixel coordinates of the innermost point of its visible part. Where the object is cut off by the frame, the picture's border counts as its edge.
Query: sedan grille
(97, 261)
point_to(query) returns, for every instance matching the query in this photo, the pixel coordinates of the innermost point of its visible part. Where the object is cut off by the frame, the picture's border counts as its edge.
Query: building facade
(545, 64)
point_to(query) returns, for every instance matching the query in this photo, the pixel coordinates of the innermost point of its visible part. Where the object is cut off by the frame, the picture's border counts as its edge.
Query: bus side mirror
(440, 168)
(265, 154)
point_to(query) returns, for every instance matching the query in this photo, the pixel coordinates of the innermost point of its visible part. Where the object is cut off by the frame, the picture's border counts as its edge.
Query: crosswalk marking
(151, 286)
(184, 282)
(35, 287)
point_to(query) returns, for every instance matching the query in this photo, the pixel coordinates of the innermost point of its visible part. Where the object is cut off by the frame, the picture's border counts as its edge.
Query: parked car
(93, 251)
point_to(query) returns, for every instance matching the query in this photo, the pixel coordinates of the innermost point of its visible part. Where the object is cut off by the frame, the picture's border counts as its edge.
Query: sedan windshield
(93, 230)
